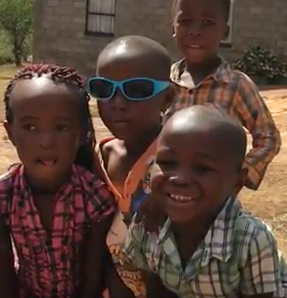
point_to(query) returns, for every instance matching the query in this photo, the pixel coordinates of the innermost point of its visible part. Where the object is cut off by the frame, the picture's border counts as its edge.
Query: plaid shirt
(238, 96)
(238, 255)
(50, 266)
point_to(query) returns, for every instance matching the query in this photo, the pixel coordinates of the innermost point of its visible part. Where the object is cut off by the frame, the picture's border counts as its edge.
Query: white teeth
(180, 198)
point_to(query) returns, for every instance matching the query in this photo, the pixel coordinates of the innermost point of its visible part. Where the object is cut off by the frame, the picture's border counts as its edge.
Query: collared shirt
(136, 188)
(235, 92)
(49, 266)
(237, 256)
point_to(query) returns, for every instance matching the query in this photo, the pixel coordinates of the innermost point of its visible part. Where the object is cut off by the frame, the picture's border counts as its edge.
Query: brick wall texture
(59, 28)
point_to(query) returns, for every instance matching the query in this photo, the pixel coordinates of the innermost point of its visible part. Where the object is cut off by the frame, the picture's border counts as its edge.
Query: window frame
(227, 43)
(98, 33)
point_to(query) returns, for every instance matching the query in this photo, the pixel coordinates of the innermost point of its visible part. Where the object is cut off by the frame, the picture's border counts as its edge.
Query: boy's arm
(134, 247)
(255, 116)
(155, 287)
(8, 278)
(261, 275)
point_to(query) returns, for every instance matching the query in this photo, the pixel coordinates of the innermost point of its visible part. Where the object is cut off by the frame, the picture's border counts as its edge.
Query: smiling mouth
(194, 46)
(182, 199)
(47, 162)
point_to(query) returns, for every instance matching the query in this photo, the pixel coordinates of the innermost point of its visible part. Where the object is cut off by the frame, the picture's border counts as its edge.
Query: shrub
(16, 21)
(263, 65)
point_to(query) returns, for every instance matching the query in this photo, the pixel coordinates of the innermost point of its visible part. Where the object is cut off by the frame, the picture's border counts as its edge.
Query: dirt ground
(268, 203)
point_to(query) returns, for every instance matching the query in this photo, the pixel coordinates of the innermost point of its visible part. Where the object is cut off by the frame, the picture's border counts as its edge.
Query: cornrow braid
(69, 77)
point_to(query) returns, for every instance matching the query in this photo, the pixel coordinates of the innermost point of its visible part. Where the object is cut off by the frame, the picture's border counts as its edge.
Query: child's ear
(9, 131)
(241, 178)
(173, 32)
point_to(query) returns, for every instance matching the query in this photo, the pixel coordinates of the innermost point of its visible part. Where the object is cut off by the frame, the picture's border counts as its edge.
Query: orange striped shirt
(237, 94)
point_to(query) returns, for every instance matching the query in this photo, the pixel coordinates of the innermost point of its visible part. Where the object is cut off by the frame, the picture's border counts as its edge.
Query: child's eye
(29, 127)
(202, 169)
(62, 127)
(208, 22)
(184, 21)
(166, 163)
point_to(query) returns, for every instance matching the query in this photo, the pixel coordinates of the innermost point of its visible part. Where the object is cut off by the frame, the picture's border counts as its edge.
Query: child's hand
(151, 213)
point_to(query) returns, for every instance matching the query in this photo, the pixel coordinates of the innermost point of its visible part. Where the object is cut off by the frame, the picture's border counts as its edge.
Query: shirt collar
(218, 242)
(21, 184)
(222, 73)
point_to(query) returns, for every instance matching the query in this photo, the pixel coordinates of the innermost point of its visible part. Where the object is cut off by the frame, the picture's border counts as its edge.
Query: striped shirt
(49, 266)
(239, 97)
(238, 255)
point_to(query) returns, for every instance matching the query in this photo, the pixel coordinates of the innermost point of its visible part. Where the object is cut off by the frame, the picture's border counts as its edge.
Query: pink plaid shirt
(49, 267)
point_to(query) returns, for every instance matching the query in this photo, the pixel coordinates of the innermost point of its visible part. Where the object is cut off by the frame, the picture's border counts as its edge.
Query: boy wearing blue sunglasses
(132, 88)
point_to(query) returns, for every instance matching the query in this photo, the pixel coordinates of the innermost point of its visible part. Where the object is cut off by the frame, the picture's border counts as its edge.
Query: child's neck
(192, 230)
(199, 72)
(49, 188)
(139, 145)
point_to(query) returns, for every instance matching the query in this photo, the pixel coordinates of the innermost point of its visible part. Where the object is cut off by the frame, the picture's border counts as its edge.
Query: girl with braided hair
(51, 205)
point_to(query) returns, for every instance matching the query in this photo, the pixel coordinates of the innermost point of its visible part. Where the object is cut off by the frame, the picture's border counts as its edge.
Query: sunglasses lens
(100, 88)
(139, 89)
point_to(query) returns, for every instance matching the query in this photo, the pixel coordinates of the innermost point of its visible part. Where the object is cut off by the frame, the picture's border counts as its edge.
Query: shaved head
(138, 49)
(212, 121)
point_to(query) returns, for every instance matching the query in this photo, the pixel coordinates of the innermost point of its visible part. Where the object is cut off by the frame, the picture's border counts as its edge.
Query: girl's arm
(95, 252)
(8, 278)
(100, 209)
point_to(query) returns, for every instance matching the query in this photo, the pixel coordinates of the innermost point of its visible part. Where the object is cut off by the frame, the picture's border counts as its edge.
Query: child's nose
(119, 101)
(46, 140)
(180, 178)
(195, 29)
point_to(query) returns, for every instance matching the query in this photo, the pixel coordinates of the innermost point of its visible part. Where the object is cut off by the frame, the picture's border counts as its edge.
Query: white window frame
(228, 40)
(98, 12)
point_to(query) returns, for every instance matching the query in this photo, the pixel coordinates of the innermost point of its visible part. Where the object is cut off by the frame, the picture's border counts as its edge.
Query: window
(100, 19)
(228, 40)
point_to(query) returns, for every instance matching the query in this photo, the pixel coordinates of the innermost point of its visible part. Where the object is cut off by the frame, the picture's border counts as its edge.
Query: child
(202, 76)
(207, 246)
(132, 88)
(50, 203)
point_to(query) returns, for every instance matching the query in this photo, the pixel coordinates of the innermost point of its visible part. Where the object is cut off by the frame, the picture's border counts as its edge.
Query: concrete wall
(59, 28)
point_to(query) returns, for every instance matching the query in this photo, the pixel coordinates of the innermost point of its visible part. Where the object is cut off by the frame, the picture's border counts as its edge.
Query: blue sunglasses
(135, 89)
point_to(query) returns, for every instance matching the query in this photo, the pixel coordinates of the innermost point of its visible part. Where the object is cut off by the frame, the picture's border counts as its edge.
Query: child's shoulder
(87, 179)
(251, 232)
(7, 177)
(105, 146)
(240, 78)
(247, 222)
(6, 187)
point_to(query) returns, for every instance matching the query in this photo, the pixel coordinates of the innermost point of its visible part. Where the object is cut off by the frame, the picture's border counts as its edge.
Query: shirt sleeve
(133, 248)
(252, 111)
(261, 273)
(100, 203)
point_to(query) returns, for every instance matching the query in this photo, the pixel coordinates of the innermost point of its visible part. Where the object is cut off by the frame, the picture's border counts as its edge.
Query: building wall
(59, 34)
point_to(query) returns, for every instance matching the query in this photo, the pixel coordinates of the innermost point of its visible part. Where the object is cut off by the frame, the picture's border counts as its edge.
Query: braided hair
(69, 77)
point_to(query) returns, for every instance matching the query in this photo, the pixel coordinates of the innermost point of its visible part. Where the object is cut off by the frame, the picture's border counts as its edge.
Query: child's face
(199, 27)
(45, 129)
(127, 119)
(193, 174)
